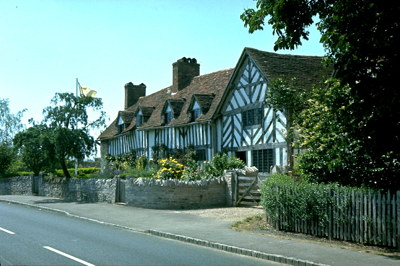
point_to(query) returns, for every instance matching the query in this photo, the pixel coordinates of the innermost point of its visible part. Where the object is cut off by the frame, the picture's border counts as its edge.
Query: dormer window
(124, 120)
(172, 109)
(121, 125)
(196, 111)
(199, 105)
(143, 114)
(139, 119)
(168, 115)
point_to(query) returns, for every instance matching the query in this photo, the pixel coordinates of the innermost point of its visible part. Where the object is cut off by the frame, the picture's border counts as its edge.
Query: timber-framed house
(250, 128)
(224, 111)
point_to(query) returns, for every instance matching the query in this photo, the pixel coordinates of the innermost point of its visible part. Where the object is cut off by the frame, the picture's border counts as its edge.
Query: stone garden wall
(78, 189)
(19, 185)
(74, 189)
(139, 192)
(175, 194)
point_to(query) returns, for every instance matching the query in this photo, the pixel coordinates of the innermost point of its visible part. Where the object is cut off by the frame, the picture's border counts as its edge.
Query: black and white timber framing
(267, 128)
(223, 111)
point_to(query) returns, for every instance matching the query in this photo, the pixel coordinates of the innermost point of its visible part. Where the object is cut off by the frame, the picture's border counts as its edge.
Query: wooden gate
(35, 185)
(120, 191)
(246, 190)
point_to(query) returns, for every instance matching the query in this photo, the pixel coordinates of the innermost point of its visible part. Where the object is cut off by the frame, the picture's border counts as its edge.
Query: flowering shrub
(122, 162)
(215, 168)
(170, 169)
(222, 162)
(141, 162)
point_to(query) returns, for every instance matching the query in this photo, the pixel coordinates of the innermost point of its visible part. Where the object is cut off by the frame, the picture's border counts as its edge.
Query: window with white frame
(196, 111)
(139, 119)
(168, 115)
(121, 125)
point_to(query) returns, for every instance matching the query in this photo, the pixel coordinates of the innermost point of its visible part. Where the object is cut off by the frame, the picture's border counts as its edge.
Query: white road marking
(68, 256)
(7, 231)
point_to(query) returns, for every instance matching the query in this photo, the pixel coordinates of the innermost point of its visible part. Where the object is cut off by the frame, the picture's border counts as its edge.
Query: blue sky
(45, 45)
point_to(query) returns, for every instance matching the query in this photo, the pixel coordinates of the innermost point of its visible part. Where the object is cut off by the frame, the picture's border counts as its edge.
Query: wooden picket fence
(368, 217)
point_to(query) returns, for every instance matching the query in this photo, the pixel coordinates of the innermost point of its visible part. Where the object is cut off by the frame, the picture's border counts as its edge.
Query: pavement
(205, 231)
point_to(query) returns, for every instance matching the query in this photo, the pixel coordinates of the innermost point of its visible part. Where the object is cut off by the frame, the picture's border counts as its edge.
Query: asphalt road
(33, 237)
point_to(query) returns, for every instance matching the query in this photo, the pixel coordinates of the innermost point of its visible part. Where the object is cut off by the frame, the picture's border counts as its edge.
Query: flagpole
(76, 159)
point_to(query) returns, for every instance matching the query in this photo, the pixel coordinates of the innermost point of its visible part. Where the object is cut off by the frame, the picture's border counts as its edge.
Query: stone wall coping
(174, 182)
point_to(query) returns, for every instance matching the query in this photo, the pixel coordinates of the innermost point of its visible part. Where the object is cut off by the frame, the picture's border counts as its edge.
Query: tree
(10, 124)
(7, 155)
(69, 126)
(36, 148)
(291, 99)
(361, 39)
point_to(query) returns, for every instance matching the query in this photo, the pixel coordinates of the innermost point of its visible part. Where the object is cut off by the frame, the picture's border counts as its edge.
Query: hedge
(282, 196)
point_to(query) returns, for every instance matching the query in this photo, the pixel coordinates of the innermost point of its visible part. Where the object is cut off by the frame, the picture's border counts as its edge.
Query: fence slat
(328, 231)
(345, 224)
(393, 227)
(370, 220)
(388, 220)
(342, 213)
(374, 225)
(358, 217)
(397, 233)
(379, 218)
(383, 237)
(364, 217)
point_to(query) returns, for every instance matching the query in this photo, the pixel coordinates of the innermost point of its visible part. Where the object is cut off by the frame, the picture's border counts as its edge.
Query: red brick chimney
(183, 71)
(133, 93)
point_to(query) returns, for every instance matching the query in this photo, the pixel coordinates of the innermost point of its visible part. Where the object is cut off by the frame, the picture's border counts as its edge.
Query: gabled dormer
(195, 111)
(199, 105)
(172, 109)
(143, 114)
(124, 119)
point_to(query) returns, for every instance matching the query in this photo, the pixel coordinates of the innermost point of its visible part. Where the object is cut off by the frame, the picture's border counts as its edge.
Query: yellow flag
(88, 92)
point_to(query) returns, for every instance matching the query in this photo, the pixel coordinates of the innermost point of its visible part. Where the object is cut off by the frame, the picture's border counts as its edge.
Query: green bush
(137, 173)
(141, 162)
(286, 200)
(25, 173)
(222, 162)
(82, 172)
(122, 162)
(215, 168)
(7, 156)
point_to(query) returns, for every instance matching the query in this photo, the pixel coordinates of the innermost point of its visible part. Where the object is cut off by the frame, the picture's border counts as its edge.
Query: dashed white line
(68, 256)
(7, 231)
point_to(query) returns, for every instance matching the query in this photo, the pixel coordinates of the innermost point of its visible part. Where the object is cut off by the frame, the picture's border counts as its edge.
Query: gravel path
(232, 214)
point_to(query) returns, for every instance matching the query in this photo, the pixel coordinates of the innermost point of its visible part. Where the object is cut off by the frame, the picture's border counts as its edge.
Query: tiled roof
(209, 89)
(208, 84)
(308, 70)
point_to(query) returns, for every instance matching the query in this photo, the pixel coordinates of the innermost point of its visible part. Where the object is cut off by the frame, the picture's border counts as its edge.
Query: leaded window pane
(252, 117)
(263, 160)
(201, 155)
